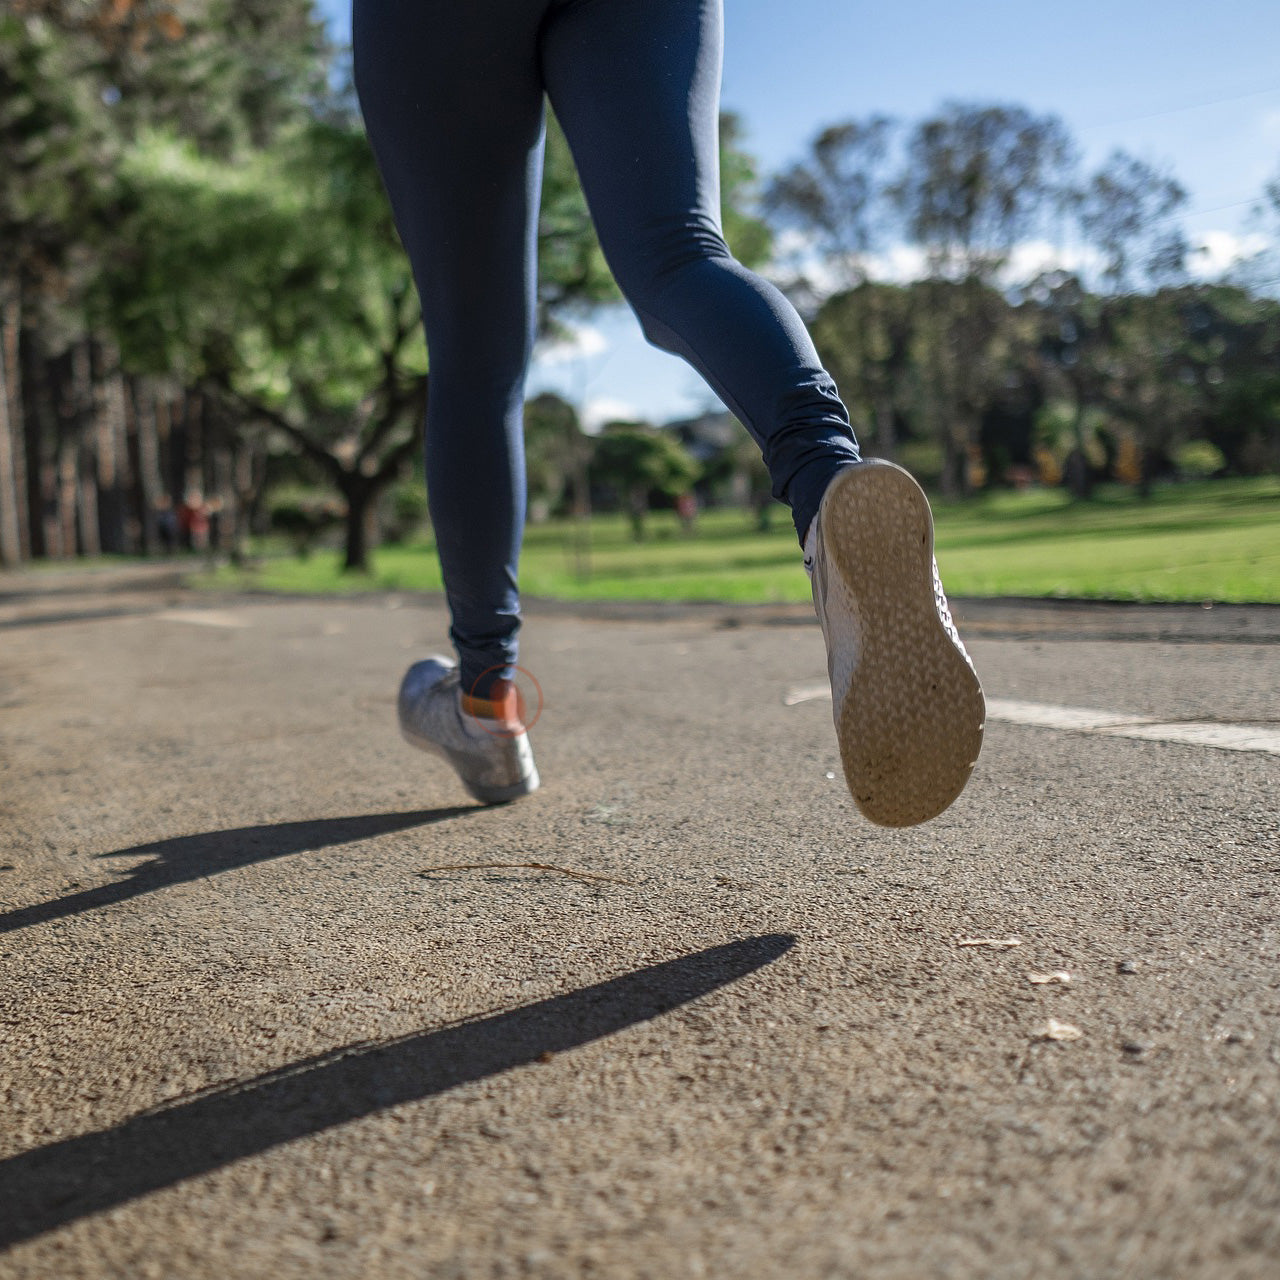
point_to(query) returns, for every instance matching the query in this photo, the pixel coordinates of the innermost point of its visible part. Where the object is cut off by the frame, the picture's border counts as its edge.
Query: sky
(1192, 87)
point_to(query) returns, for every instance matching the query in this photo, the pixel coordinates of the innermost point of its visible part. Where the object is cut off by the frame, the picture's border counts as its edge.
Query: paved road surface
(277, 1000)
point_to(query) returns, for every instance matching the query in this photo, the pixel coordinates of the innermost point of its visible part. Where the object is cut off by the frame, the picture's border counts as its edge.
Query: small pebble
(1135, 1048)
(1063, 1032)
(1126, 966)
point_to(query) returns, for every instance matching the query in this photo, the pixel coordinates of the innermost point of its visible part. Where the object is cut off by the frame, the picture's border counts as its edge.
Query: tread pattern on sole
(908, 706)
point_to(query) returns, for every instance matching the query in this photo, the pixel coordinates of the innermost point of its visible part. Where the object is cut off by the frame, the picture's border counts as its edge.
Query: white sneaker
(909, 711)
(493, 758)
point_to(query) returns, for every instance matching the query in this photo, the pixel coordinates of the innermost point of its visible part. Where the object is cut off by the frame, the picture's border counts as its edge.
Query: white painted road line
(806, 693)
(1043, 715)
(202, 617)
(1115, 724)
(1112, 724)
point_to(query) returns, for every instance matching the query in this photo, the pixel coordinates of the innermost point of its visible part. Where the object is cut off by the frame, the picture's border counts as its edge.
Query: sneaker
(908, 707)
(490, 752)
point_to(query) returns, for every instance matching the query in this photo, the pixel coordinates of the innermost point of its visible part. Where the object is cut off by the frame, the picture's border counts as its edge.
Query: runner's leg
(453, 101)
(636, 85)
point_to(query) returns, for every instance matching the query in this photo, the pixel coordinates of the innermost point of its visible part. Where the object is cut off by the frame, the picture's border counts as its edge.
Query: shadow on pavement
(73, 615)
(58, 1184)
(184, 858)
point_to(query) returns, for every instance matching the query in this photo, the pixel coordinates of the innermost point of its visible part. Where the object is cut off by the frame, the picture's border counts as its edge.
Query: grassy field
(1213, 540)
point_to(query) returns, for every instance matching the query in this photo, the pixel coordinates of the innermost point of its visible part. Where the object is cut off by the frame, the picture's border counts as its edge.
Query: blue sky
(1193, 87)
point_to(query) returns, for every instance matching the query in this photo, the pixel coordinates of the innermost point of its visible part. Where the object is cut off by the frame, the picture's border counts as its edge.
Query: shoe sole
(486, 795)
(910, 726)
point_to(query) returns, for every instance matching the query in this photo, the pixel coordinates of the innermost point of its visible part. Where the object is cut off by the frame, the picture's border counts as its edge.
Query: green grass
(1213, 540)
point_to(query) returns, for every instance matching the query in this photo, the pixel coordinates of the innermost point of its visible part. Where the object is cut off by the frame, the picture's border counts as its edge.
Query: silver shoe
(909, 711)
(495, 765)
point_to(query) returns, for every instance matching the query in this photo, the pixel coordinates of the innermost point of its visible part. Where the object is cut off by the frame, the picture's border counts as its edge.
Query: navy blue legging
(452, 94)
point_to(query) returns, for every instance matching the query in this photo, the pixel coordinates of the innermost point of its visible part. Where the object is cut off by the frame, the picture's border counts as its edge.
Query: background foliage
(208, 327)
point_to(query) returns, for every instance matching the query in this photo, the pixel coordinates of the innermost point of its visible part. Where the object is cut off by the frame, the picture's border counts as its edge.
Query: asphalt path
(276, 999)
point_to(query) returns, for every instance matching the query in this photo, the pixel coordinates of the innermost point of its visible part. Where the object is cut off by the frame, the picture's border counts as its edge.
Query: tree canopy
(202, 294)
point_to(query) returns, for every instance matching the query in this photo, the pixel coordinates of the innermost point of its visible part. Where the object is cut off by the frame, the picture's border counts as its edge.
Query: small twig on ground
(522, 866)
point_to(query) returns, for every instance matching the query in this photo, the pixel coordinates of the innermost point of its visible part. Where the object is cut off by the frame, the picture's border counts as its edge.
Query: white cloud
(581, 343)
(796, 258)
(1033, 257)
(903, 263)
(899, 264)
(791, 242)
(602, 409)
(1219, 251)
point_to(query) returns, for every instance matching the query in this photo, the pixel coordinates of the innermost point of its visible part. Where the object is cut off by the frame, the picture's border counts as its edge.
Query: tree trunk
(638, 504)
(581, 490)
(955, 461)
(163, 408)
(76, 457)
(177, 414)
(87, 500)
(150, 486)
(11, 413)
(10, 519)
(193, 419)
(360, 495)
(886, 436)
(28, 426)
(111, 440)
(1147, 472)
(1079, 479)
(246, 479)
(225, 517)
(41, 429)
(68, 469)
(762, 504)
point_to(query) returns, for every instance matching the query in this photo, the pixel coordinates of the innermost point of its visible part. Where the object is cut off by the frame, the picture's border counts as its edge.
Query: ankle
(502, 703)
(810, 545)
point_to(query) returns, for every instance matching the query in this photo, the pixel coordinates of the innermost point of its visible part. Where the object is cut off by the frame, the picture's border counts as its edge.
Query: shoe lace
(944, 613)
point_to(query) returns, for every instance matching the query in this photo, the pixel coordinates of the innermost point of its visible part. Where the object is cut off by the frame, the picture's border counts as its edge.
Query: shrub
(1198, 459)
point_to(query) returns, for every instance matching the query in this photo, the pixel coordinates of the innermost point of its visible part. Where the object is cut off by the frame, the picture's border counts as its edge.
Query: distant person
(452, 95)
(687, 511)
(166, 524)
(193, 518)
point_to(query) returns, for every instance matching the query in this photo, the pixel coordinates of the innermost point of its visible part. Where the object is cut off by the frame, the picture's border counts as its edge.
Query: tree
(978, 181)
(1124, 211)
(79, 81)
(636, 460)
(1262, 271)
(867, 337)
(837, 196)
(1073, 350)
(556, 452)
(1153, 384)
(56, 154)
(279, 283)
(746, 461)
(1236, 350)
(557, 457)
